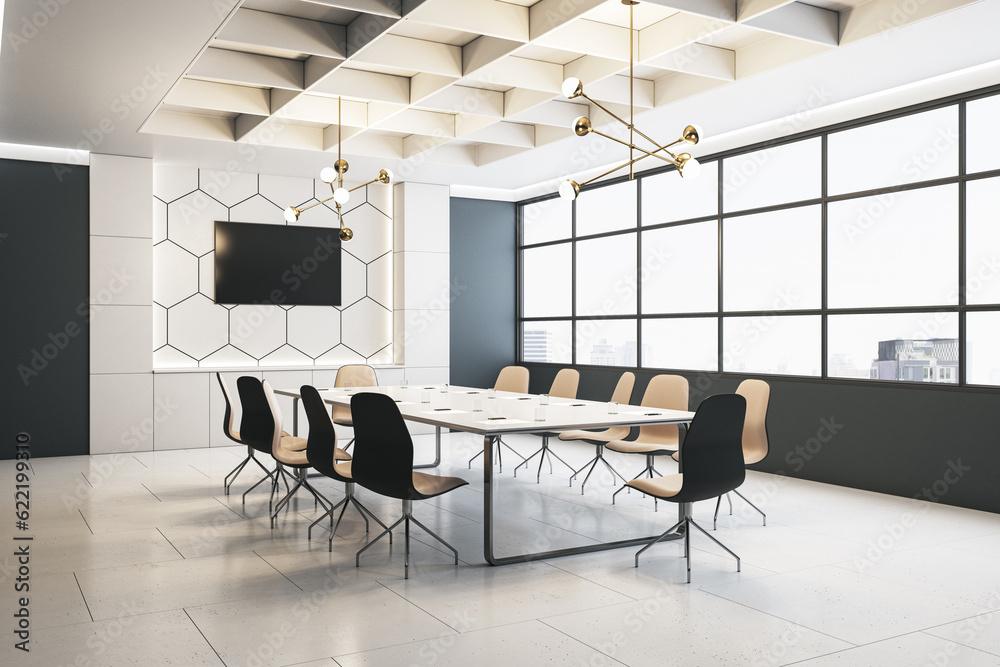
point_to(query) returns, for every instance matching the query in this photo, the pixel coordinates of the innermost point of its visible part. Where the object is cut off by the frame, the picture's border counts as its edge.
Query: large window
(866, 251)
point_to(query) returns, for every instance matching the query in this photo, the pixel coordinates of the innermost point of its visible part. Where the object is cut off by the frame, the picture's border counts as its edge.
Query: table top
(502, 412)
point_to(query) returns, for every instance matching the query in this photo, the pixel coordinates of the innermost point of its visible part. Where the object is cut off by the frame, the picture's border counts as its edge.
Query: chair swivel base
(648, 470)
(498, 454)
(676, 528)
(272, 475)
(235, 472)
(349, 499)
(593, 464)
(543, 450)
(300, 483)
(405, 520)
(718, 502)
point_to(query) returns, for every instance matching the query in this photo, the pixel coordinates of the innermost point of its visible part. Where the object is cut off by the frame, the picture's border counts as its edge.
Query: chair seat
(340, 455)
(641, 447)
(429, 486)
(344, 422)
(659, 487)
(344, 470)
(607, 435)
(288, 453)
(293, 442)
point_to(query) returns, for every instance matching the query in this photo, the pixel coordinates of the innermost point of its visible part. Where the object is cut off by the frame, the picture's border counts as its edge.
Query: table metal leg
(437, 451)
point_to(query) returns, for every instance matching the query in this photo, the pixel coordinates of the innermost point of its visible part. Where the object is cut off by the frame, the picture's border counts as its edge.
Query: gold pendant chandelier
(339, 194)
(572, 88)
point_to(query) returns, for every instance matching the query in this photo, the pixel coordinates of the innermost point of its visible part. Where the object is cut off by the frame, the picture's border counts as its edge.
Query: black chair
(383, 463)
(711, 457)
(328, 459)
(256, 430)
(228, 423)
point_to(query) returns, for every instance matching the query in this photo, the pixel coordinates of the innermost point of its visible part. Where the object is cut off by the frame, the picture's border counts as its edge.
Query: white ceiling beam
(590, 69)
(365, 85)
(379, 111)
(190, 125)
(374, 145)
(700, 59)
(519, 100)
(464, 156)
(390, 8)
(487, 153)
(678, 86)
(415, 121)
(220, 97)
(415, 144)
(597, 39)
(521, 72)
(466, 123)
(553, 113)
(548, 15)
(318, 68)
(316, 109)
(546, 134)
(366, 30)
(463, 99)
(675, 32)
(480, 17)
(334, 136)
(415, 54)
(285, 135)
(748, 9)
(505, 134)
(724, 10)
(248, 69)
(484, 50)
(245, 124)
(285, 33)
(813, 24)
(616, 89)
(775, 52)
(280, 98)
(880, 16)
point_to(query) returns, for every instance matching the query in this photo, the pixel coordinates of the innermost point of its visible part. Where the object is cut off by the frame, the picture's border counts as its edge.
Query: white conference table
(502, 413)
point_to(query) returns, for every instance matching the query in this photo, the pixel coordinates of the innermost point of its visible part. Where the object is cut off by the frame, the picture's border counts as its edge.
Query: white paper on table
(502, 422)
(447, 411)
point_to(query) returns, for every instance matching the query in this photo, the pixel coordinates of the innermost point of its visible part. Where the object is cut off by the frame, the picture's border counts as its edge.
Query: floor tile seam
(182, 559)
(254, 552)
(143, 484)
(416, 606)
(171, 544)
(958, 643)
(577, 641)
(210, 645)
(86, 523)
(781, 618)
(242, 516)
(580, 576)
(911, 586)
(83, 597)
(194, 467)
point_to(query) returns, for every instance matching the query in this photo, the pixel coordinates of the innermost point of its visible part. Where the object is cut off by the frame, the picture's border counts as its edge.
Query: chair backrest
(623, 390)
(565, 383)
(383, 451)
(257, 426)
(755, 445)
(322, 441)
(228, 420)
(276, 416)
(669, 392)
(512, 378)
(712, 452)
(352, 375)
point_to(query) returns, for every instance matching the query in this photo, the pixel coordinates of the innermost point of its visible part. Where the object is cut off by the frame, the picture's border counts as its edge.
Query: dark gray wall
(938, 444)
(483, 312)
(44, 266)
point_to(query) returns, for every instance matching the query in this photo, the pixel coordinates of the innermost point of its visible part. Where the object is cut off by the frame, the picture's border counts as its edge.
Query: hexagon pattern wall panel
(193, 331)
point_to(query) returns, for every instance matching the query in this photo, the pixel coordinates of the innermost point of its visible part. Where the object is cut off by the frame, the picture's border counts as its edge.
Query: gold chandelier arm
(374, 180)
(611, 171)
(306, 208)
(630, 126)
(639, 148)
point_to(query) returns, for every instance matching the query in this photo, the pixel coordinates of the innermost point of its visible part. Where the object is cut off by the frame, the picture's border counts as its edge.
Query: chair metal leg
(301, 482)
(269, 476)
(715, 518)
(543, 450)
(730, 501)
(498, 454)
(593, 464)
(235, 472)
(751, 505)
(724, 547)
(357, 556)
(668, 531)
(436, 537)
(329, 513)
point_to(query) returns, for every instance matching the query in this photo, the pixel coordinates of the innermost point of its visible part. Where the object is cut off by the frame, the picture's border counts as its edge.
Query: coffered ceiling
(465, 91)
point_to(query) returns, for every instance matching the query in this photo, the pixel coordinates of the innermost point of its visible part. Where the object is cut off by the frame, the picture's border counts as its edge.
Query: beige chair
(668, 392)
(622, 395)
(564, 385)
(755, 444)
(352, 375)
(513, 379)
(290, 452)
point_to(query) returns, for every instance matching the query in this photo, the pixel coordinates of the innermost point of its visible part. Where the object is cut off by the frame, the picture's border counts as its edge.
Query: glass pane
(547, 220)
(913, 347)
(982, 354)
(667, 197)
(775, 175)
(982, 241)
(548, 281)
(919, 147)
(547, 342)
(606, 276)
(606, 209)
(894, 249)
(783, 344)
(680, 269)
(685, 343)
(771, 261)
(982, 136)
(607, 343)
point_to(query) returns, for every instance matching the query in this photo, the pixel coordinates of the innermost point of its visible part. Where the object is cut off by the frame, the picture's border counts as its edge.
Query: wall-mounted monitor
(282, 264)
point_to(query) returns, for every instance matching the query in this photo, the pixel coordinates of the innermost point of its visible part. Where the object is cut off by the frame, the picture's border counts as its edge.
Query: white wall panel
(121, 413)
(120, 339)
(121, 271)
(121, 194)
(182, 400)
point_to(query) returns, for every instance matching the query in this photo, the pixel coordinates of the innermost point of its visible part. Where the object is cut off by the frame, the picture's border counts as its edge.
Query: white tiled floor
(141, 560)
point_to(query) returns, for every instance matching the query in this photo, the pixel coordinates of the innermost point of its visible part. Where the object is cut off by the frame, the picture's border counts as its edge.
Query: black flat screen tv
(281, 264)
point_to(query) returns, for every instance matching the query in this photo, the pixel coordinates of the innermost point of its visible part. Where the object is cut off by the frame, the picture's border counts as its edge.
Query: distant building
(536, 345)
(910, 360)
